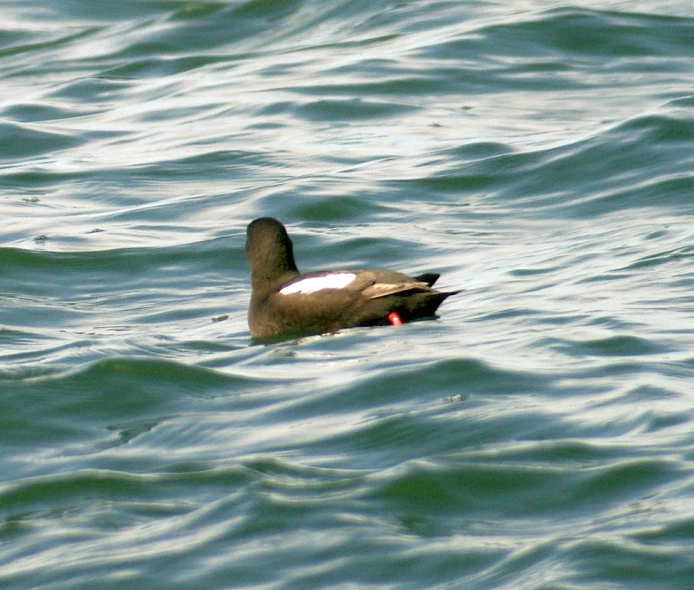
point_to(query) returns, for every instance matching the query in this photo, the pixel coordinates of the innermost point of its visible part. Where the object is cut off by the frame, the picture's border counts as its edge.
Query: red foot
(394, 318)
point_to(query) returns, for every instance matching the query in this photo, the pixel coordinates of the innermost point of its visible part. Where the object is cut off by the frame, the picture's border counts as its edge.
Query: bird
(285, 303)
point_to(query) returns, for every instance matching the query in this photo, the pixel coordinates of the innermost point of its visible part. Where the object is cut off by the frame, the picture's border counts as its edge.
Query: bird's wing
(378, 290)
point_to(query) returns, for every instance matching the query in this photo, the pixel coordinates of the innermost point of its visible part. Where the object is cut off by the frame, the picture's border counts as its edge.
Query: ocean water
(538, 435)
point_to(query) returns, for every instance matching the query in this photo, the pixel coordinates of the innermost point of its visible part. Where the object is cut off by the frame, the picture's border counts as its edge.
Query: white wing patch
(332, 281)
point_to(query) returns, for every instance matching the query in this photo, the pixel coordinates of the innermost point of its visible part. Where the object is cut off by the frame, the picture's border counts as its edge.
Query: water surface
(537, 435)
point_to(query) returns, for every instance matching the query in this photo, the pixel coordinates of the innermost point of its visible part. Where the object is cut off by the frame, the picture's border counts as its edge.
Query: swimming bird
(285, 303)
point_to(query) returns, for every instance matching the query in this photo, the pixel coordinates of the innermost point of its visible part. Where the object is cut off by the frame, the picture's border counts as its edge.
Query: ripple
(24, 140)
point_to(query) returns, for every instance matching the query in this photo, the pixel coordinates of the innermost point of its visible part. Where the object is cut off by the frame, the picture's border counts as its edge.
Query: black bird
(285, 303)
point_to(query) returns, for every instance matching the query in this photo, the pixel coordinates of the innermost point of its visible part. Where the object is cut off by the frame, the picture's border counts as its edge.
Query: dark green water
(539, 435)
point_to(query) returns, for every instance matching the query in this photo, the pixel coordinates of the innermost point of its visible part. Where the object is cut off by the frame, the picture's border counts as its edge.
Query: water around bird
(537, 154)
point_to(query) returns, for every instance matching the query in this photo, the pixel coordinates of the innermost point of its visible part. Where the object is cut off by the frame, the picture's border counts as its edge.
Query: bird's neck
(272, 271)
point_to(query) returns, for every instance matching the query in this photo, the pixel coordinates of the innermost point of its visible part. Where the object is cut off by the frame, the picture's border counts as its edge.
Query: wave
(636, 164)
